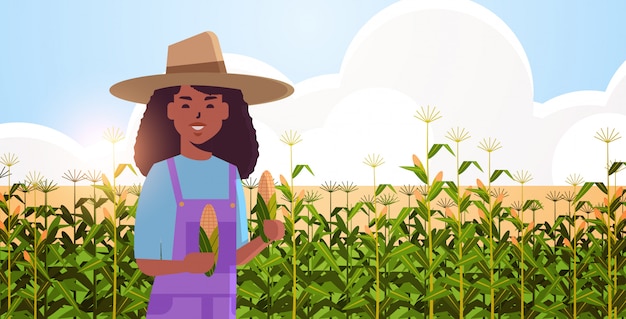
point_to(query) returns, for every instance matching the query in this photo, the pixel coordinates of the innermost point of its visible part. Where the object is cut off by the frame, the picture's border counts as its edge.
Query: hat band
(210, 67)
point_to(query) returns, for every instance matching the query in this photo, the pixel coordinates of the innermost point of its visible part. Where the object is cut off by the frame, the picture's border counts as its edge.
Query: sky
(541, 77)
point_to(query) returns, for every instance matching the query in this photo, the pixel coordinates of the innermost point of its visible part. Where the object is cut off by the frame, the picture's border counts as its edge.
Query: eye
(185, 106)
(209, 106)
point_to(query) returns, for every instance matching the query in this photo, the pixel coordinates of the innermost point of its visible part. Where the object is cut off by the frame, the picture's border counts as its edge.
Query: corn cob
(209, 234)
(266, 186)
(266, 201)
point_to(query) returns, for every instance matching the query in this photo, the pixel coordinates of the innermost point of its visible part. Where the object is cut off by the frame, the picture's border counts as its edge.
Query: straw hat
(198, 61)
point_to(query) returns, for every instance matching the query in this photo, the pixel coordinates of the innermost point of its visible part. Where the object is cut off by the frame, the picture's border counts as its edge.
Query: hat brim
(255, 89)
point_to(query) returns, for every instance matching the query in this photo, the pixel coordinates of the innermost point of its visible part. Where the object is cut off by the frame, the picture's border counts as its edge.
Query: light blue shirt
(156, 209)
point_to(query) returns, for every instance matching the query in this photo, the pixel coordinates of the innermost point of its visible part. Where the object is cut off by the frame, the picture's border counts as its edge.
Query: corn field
(429, 259)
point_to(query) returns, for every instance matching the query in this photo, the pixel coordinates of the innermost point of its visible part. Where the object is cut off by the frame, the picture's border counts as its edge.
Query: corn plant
(490, 146)
(381, 269)
(459, 135)
(609, 137)
(8, 160)
(250, 184)
(265, 208)
(330, 187)
(374, 161)
(292, 138)
(8, 237)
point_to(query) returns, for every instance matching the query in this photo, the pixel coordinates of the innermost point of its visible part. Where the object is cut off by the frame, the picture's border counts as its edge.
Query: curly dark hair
(157, 138)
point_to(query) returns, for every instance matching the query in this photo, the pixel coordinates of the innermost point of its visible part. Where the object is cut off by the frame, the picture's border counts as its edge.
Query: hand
(273, 229)
(198, 263)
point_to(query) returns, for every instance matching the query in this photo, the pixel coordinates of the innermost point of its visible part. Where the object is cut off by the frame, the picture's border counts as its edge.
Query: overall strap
(174, 177)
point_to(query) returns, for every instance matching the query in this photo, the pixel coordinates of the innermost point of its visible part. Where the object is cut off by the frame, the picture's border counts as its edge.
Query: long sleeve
(156, 216)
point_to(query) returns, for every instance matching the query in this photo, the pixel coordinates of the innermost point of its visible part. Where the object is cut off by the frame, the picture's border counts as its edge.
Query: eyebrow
(188, 98)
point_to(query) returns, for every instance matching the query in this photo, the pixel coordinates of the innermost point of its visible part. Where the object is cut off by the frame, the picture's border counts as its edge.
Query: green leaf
(299, 168)
(356, 303)
(402, 250)
(438, 293)
(304, 296)
(272, 261)
(354, 210)
(452, 188)
(468, 231)
(421, 258)
(440, 236)
(434, 190)
(602, 187)
(620, 298)
(316, 289)
(93, 264)
(465, 165)
(419, 172)
(411, 267)
(497, 174)
(67, 294)
(468, 260)
(91, 234)
(130, 305)
(501, 252)
(435, 149)
(503, 283)
(81, 202)
(382, 187)
(591, 297)
(68, 218)
(247, 291)
(615, 205)
(328, 256)
(470, 245)
(120, 168)
(436, 265)
(108, 191)
(214, 241)
(530, 202)
(205, 245)
(261, 209)
(615, 167)
(399, 296)
(14, 305)
(100, 202)
(399, 220)
(55, 250)
(453, 280)
(583, 190)
(465, 203)
(483, 285)
(580, 204)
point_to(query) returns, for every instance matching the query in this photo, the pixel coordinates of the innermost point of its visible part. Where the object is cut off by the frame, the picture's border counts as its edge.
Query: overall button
(232, 205)
(181, 204)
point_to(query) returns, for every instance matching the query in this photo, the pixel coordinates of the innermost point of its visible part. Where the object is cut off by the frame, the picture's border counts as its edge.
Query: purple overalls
(196, 296)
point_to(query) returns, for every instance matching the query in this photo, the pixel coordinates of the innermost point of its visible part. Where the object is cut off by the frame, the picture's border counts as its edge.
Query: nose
(198, 115)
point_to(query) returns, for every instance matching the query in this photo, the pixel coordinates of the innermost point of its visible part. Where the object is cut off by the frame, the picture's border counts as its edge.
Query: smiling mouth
(197, 126)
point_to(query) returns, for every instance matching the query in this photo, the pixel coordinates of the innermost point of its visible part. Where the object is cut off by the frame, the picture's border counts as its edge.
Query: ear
(170, 110)
(224, 111)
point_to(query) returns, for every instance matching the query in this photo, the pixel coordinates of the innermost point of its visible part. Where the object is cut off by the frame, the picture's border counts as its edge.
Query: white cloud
(453, 55)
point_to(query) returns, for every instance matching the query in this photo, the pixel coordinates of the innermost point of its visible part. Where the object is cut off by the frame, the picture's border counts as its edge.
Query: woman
(195, 143)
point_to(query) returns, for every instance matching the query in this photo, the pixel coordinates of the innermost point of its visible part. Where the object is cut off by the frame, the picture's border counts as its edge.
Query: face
(197, 116)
